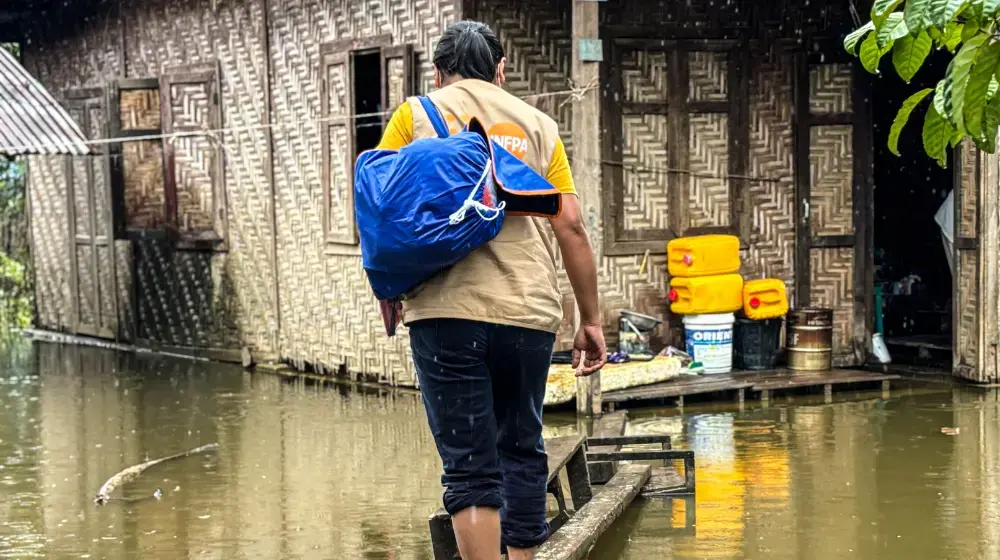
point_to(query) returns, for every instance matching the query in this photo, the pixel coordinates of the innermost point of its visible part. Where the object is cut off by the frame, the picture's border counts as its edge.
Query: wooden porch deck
(762, 383)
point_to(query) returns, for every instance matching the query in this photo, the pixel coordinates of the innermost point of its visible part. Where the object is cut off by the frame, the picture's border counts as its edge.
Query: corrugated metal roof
(31, 121)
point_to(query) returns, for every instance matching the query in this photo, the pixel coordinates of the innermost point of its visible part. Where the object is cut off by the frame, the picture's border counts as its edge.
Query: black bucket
(756, 344)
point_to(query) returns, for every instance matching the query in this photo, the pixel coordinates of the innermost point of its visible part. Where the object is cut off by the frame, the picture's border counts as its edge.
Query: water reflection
(312, 472)
(869, 479)
(301, 471)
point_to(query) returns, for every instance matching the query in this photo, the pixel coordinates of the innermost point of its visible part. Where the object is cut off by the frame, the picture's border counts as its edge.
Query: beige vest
(512, 279)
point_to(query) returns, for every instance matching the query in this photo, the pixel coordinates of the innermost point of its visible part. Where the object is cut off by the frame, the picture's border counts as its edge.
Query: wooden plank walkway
(563, 453)
(762, 382)
(574, 532)
(575, 539)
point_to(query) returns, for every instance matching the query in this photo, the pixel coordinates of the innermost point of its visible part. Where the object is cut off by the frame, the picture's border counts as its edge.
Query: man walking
(482, 332)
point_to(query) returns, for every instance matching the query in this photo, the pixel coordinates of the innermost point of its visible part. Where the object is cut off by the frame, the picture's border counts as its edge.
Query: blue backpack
(425, 207)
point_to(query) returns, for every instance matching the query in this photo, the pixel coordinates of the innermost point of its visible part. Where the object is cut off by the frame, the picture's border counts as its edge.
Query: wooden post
(586, 134)
(989, 278)
(588, 395)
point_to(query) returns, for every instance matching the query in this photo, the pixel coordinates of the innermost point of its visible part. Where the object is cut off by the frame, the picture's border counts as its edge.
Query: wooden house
(220, 216)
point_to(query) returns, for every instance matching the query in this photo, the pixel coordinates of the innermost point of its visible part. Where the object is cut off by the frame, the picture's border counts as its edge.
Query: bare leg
(477, 530)
(521, 553)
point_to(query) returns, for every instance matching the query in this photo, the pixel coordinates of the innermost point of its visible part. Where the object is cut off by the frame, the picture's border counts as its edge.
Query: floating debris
(950, 431)
(133, 472)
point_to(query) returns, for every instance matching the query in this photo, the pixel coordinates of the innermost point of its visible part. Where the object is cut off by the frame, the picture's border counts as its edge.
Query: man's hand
(590, 353)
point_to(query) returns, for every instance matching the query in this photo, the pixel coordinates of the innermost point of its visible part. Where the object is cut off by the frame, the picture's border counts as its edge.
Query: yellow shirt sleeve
(559, 173)
(399, 131)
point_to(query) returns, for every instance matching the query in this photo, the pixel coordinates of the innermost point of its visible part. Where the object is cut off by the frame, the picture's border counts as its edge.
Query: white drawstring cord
(480, 208)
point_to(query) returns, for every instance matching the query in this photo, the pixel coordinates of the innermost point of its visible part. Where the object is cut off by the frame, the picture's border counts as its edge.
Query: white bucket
(709, 340)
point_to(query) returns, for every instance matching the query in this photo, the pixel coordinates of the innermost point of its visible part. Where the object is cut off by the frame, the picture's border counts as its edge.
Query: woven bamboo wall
(50, 249)
(771, 247)
(223, 299)
(328, 314)
(83, 54)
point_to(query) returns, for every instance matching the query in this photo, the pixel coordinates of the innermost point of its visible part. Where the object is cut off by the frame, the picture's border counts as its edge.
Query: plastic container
(703, 255)
(706, 294)
(709, 340)
(756, 344)
(765, 299)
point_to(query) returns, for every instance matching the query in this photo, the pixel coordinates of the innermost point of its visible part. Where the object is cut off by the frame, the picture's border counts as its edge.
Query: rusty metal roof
(31, 120)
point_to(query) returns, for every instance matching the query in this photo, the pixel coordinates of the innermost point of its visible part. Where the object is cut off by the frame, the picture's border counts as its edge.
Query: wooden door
(91, 239)
(833, 177)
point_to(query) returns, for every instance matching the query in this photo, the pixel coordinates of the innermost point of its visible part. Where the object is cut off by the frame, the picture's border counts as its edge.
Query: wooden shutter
(337, 141)
(677, 159)
(194, 164)
(91, 230)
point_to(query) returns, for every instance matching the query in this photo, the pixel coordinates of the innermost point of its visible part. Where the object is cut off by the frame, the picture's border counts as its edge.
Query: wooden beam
(800, 162)
(586, 135)
(575, 539)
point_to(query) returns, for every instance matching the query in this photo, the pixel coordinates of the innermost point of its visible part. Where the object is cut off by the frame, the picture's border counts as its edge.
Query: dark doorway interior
(911, 265)
(367, 100)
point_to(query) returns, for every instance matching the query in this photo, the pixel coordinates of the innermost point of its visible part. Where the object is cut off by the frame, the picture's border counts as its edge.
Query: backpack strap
(435, 115)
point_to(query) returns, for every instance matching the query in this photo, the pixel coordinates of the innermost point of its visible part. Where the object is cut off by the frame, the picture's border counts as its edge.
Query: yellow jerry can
(702, 295)
(765, 299)
(703, 255)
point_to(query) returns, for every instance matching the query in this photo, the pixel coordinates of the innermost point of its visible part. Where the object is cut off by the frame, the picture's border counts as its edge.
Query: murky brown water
(308, 472)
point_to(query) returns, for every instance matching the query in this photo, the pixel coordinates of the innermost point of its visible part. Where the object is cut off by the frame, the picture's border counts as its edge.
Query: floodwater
(304, 471)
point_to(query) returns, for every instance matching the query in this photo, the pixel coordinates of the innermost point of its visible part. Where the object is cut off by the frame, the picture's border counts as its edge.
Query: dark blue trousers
(483, 386)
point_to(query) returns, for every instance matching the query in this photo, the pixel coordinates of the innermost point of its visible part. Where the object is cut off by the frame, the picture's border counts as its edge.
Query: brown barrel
(810, 339)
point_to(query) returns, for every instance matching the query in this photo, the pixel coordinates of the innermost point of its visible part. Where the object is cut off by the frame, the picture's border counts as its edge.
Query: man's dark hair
(469, 49)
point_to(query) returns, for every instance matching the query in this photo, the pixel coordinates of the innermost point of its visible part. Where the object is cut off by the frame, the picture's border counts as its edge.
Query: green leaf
(969, 30)
(871, 54)
(990, 8)
(882, 8)
(956, 81)
(977, 88)
(851, 41)
(953, 36)
(991, 122)
(956, 137)
(893, 28)
(909, 54)
(992, 89)
(936, 134)
(943, 11)
(903, 116)
(916, 14)
(938, 100)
